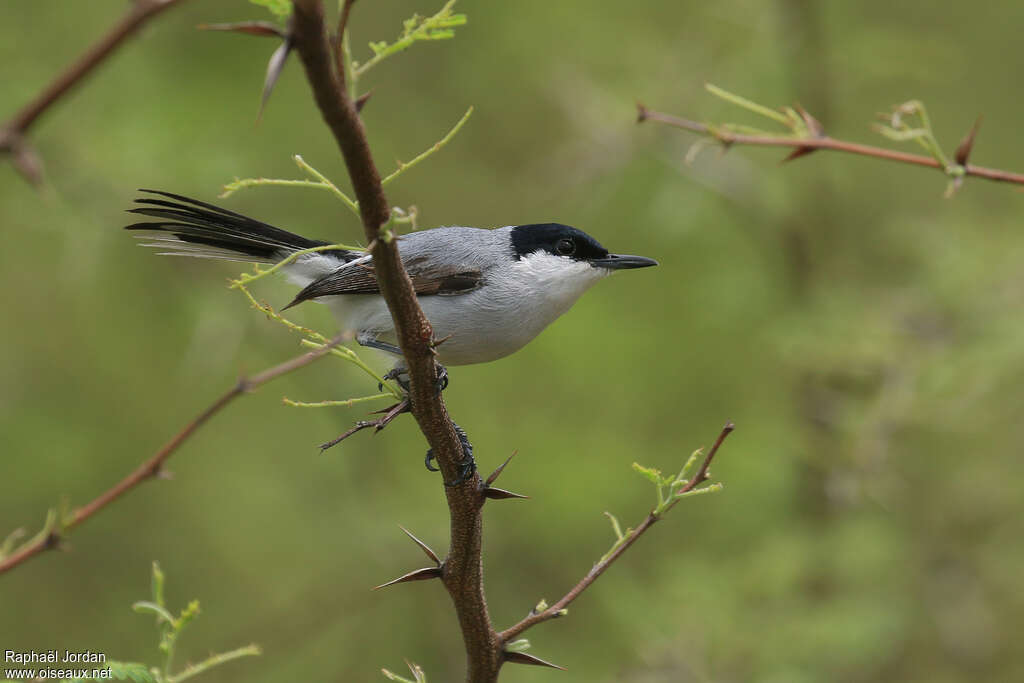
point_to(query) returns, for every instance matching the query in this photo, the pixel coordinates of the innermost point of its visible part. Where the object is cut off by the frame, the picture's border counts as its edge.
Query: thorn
(25, 159)
(52, 541)
(797, 153)
(274, 68)
(362, 100)
(252, 28)
(497, 472)
(964, 150)
(500, 494)
(642, 112)
(437, 342)
(423, 546)
(416, 575)
(523, 658)
(953, 187)
(813, 125)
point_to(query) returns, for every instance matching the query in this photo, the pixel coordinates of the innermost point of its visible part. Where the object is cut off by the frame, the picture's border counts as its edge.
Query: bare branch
(13, 131)
(153, 466)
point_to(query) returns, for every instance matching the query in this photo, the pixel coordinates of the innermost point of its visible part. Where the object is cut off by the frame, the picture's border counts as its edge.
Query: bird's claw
(442, 379)
(429, 459)
(467, 466)
(395, 373)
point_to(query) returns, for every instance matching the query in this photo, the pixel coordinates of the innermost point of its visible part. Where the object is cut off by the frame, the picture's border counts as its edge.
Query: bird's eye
(565, 247)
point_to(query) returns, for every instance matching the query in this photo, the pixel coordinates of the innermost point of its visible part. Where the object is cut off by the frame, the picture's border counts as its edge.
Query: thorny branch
(818, 140)
(462, 571)
(13, 131)
(556, 610)
(50, 538)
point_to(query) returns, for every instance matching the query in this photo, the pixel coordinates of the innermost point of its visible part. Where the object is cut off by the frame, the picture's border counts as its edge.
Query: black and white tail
(189, 227)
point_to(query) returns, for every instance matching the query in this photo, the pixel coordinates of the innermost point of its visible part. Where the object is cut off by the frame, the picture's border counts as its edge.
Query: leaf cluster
(170, 628)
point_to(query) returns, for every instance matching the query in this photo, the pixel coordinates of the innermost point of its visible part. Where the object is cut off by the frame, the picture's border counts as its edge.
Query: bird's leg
(467, 466)
(368, 340)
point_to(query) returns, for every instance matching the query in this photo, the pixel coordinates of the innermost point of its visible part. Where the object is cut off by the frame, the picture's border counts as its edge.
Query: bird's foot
(400, 374)
(396, 373)
(467, 466)
(441, 383)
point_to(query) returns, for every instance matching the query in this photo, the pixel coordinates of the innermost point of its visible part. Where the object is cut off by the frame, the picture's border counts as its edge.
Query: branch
(12, 132)
(558, 609)
(462, 569)
(805, 145)
(51, 536)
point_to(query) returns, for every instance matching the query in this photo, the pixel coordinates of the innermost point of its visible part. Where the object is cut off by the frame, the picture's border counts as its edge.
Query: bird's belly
(483, 329)
(475, 329)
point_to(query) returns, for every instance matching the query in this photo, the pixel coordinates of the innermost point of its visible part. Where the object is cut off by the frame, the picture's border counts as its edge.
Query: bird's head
(563, 246)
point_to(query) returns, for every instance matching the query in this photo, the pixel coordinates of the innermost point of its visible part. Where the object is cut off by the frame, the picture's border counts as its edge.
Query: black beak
(623, 262)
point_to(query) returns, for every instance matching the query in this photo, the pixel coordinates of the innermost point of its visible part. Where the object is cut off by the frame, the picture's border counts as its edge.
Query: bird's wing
(428, 278)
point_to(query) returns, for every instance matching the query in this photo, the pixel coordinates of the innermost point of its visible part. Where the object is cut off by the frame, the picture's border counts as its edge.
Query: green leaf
(439, 26)
(281, 9)
(158, 584)
(521, 645)
(187, 615)
(161, 614)
(654, 475)
(615, 525)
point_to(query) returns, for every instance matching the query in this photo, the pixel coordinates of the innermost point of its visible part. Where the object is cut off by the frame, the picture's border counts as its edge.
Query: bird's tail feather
(189, 227)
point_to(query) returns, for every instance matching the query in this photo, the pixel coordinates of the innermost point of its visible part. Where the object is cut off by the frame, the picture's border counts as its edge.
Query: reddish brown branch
(823, 142)
(152, 467)
(462, 569)
(555, 610)
(702, 472)
(12, 132)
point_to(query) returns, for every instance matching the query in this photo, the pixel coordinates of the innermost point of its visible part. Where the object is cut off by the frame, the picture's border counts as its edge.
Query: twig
(823, 142)
(404, 166)
(12, 132)
(556, 610)
(463, 570)
(150, 468)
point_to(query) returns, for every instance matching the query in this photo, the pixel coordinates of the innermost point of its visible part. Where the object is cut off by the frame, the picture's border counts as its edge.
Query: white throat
(556, 282)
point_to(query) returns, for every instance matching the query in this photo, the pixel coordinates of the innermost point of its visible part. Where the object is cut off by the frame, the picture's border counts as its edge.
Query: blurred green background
(863, 332)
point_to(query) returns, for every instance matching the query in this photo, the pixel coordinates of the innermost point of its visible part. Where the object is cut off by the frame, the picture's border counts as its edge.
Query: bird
(486, 292)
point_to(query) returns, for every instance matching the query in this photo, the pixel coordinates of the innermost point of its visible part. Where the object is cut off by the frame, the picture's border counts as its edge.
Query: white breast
(516, 302)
